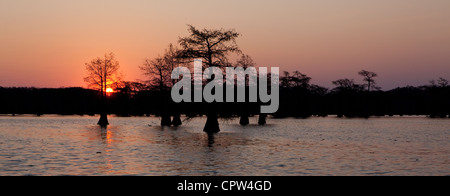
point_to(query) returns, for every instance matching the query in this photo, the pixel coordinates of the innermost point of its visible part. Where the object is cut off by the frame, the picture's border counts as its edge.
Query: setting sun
(109, 90)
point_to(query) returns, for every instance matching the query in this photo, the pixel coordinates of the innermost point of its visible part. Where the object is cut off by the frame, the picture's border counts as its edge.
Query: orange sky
(45, 43)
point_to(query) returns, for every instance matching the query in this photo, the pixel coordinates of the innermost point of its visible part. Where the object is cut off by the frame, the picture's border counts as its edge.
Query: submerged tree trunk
(103, 121)
(176, 121)
(165, 120)
(212, 124)
(165, 115)
(262, 119)
(244, 119)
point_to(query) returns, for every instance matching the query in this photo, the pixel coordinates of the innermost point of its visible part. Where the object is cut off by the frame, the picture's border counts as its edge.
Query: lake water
(73, 145)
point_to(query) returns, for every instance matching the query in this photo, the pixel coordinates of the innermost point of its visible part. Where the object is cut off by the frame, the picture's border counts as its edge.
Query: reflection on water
(210, 139)
(138, 146)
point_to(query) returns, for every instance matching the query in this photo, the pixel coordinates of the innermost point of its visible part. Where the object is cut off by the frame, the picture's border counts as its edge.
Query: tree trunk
(165, 120)
(244, 119)
(212, 124)
(176, 121)
(262, 119)
(103, 121)
(165, 115)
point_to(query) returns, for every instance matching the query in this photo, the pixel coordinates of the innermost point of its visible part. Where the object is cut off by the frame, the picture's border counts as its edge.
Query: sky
(45, 43)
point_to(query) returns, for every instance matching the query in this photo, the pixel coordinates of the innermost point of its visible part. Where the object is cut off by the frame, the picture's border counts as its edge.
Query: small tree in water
(159, 71)
(245, 61)
(102, 73)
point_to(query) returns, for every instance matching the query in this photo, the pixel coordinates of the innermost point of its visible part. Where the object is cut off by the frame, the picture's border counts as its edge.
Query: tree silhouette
(346, 85)
(300, 80)
(172, 60)
(159, 71)
(245, 61)
(212, 46)
(296, 80)
(102, 74)
(285, 80)
(368, 77)
(441, 82)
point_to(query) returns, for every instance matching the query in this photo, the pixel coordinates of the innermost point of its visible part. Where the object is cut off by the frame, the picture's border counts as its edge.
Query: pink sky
(45, 43)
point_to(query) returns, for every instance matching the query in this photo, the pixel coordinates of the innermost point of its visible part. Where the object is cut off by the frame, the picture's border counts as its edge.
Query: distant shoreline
(184, 116)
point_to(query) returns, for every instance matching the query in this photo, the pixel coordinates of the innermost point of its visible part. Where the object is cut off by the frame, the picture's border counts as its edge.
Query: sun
(109, 90)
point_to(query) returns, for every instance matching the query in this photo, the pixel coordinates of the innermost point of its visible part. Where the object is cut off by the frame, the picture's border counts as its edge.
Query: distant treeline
(298, 98)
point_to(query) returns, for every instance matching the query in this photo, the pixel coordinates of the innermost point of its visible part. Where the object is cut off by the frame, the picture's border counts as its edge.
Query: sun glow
(109, 90)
